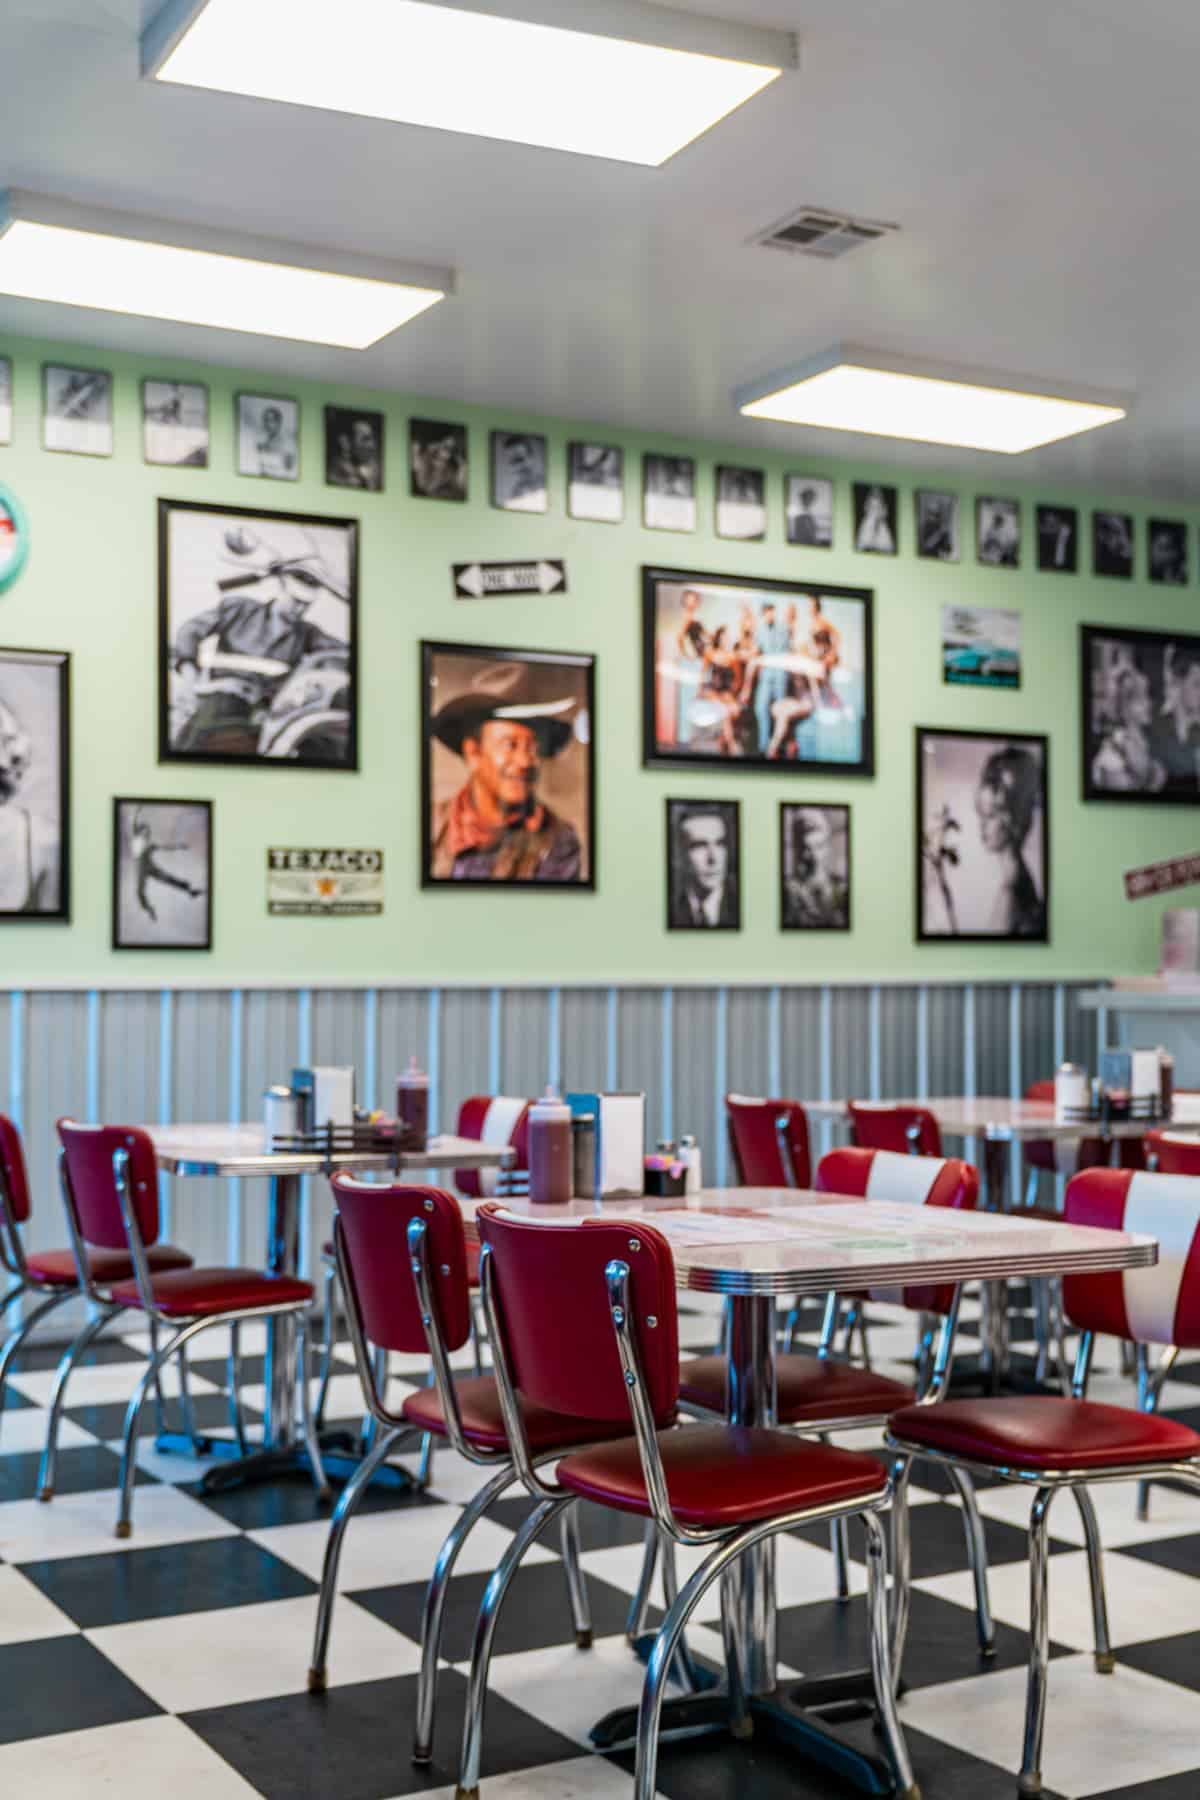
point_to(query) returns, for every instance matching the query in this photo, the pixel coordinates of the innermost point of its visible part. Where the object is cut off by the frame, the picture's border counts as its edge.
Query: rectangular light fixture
(851, 388)
(625, 79)
(121, 262)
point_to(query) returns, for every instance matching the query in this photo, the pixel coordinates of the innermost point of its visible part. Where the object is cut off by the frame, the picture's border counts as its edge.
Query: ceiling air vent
(815, 231)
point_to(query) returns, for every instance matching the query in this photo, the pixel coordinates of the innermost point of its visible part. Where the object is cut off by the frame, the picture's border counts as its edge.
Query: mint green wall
(90, 588)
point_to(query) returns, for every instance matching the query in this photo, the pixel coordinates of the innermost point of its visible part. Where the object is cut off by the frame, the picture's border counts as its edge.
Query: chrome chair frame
(12, 1259)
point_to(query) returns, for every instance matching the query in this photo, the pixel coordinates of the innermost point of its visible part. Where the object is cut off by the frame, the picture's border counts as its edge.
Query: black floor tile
(291, 1500)
(600, 1527)
(108, 1420)
(534, 1616)
(1179, 1553)
(166, 1580)
(938, 1543)
(42, 1354)
(63, 1684)
(1174, 1659)
(80, 1470)
(1168, 1787)
(14, 1400)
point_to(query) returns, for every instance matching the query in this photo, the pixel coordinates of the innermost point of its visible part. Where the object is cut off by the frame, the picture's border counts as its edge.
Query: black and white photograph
(519, 471)
(998, 532)
(258, 637)
(6, 406)
(808, 511)
(175, 424)
(437, 460)
(77, 410)
(1141, 715)
(668, 492)
(876, 518)
(1167, 552)
(596, 483)
(162, 875)
(704, 865)
(268, 437)
(1112, 544)
(1057, 540)
(981, 646)
(34, 782)
(741, 503)
(937, 525)
(982, 851)
(814, 867)
(354, 442)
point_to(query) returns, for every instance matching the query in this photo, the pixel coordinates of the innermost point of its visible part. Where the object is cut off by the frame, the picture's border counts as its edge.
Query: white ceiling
(1040, 160)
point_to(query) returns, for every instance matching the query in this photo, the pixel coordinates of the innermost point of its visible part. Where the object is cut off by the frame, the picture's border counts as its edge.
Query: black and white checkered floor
(176, 1663)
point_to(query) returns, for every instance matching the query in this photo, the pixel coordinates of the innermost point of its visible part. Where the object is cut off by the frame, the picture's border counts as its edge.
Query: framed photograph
(1141, 715)
(77, 410)
(876, 510)
(808, 511)
(175, 424)
(35, 778)
(741, 504)
(668, 492)
(937, 525)
(6, 401)
(983, 843)
(162, 875)
(437, 460)
(762, 674)
(814, 867)
(596, 483)
(14, 537)
(981, 647)
(998, 532)
(1167, 552)
(508, 783)
(704, 865)
(354, 442)
(258, 637)
(1112, 544)
(1057, 540)
(268, 437)
(519, 460)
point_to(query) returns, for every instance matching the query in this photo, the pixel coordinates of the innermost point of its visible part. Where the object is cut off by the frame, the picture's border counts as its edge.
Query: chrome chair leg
(330, 1326)
(478, 1335)
(425, 1462)
(14, 1342)
(685, 1670)
(185, 1400)
(635, 1623)
(1029, 1781)
(308, 1424)
(581, 1617)
(839, 1540)
(234, 1379)
(1150, 1383)
(1106, 1662)
(160, 1405)
(343, 1513)
(741, 1724)
(881, 1670)
(901, 1561)
(133, 1413)
(68, 1360)
(977, 1557)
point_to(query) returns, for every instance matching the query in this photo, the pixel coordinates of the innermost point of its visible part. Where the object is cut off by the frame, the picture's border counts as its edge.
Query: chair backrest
(91, 1186)
(548, 1280)
(1148, 1306)
(908, 1181)
(1174, 1152)
(875, 1125)
(374, 1220)
(14, 1178)
(754, 1138)
(498, 1120)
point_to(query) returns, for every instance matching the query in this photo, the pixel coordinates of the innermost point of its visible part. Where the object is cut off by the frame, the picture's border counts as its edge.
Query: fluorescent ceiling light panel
(626, 79)
(850, 388)
(121, 262)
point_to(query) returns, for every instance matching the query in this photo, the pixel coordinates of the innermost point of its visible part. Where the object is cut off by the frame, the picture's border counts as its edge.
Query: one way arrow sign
(474, 581)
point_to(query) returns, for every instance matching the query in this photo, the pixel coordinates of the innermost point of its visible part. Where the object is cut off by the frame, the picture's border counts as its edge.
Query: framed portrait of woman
(1141, 715)
(983, 837)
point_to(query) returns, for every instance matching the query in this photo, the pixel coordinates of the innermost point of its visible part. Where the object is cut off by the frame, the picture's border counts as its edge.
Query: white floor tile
(174, 1468)
(385, 1549)
(211, 1343)
(1172, 1514)
(26, 1613)
(83, 1524)
(1144, 1601)
(141, 1760)
(23, 1433)
(584, 1778)
(100, 1384)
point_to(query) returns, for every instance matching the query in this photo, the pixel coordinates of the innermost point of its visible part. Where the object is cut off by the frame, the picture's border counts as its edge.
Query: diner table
(752, 1245)
(235, 1152)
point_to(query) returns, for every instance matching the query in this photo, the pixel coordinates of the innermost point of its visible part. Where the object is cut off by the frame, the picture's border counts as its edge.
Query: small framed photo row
(1112, 544)
(741, 504)
(6, 400)
(814, 867)
(77, 410)
(982, 853)
(354, 447)
(998, 532)
(508, 782)
(1167, 561)
(175, 424)
(876, 518)
(704, 865)
(596, 483)
(1057, 540)
(1141, 715)
(519, 480)
(937, 525)
(668, 492)
(437, 460)
(808, 511)
(268, 437)
(35, 777)
(162, 875)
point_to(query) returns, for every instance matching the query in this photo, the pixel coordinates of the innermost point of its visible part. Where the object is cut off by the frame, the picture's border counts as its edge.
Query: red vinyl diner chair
(1047, 1443)
(878, 1125)
(1172, 1152)
(769, 1142)
(582, 1320)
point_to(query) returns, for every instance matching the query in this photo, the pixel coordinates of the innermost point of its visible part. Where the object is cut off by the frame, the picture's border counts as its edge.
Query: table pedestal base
(340, 1457)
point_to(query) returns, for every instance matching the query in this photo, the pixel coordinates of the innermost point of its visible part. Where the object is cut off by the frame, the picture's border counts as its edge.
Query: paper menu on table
(859, 1226)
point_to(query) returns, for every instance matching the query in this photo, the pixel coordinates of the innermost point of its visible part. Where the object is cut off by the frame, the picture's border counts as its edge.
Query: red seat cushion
(56, 1268)
(809, 1390)
(194, 1293)
(725, 1475)
(483, 1423)
(1043, 1432)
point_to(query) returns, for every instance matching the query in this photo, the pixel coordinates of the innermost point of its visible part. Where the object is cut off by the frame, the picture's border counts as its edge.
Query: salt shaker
(689, 1156)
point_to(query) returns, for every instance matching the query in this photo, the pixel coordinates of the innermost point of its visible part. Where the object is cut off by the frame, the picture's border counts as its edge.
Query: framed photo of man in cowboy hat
(507, 767)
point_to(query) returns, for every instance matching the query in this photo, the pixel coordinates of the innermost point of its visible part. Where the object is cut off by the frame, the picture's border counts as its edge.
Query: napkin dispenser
(325, 1096)
(620, 1142)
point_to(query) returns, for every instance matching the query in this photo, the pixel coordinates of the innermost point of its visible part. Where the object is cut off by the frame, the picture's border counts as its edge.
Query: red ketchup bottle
(412, 1101)
(550, 1150)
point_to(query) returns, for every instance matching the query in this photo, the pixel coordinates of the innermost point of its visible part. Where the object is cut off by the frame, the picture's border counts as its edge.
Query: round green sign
(14, 537)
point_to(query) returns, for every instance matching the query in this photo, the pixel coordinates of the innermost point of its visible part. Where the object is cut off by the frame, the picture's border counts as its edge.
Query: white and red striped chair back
(1174, 1152)
(1147, 1306)
(905, 1181)
(497, 1120)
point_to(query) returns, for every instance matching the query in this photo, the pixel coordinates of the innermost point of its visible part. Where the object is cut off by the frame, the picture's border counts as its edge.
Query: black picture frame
(447, 478)
(876, 518)
(669, 501)
(198, 457)
(995, 548)
(682, 910)
(582, 459)
(343, 469)
(808, 527)
(946, 849)
(244, 558)
(660, 693)
(295, 469)
(505, 491)
(1168, 553)
(1133, 684)
(497, 677)
(739, 489)
(45, 840)
(821, 907)
(1114, 544)
(936, 524)
(159, 873)
(106, 388)
(1057, 532)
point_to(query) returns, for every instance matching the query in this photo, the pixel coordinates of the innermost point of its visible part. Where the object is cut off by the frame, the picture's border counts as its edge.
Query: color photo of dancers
(764, 673)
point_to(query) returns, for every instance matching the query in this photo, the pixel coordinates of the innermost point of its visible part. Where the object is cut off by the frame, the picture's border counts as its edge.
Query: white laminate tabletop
(236, 1150)
(991, 1116)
